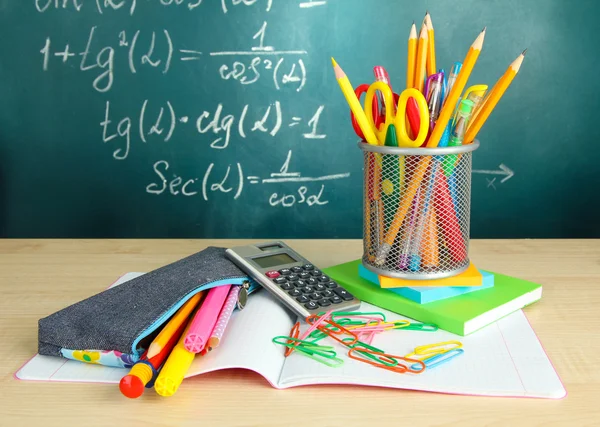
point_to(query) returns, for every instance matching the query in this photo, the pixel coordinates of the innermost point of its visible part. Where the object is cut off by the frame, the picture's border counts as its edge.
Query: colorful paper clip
(425, 327)
(424, 351)
(438, 359)
(398, 368)
(321, 353)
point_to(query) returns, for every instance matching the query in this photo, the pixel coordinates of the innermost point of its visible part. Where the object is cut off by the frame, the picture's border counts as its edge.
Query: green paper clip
(327, 360)
(424, 327)
(321, 353)
(357, 313)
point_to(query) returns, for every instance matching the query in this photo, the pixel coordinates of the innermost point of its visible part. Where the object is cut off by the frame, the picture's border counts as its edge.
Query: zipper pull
(243, 295)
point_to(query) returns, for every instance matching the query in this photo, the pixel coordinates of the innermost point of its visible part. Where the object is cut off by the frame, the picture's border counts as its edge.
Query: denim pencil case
(115, 327)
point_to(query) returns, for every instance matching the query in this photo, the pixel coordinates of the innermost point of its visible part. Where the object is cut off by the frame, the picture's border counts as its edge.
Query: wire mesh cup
(417, 205)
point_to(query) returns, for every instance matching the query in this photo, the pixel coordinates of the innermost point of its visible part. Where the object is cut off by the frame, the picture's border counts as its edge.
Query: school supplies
(470, 277)
(430, 45)
(421, 60)
(427, 294)
(354, 103)
(204, 321)
(143, 372)
(504, 359)
(180, 318)
(123, 321)
(179, 361)
(224, 317)
(291, 278)
(461, 315)
(411, 59)
(454, 72)
(494, 96)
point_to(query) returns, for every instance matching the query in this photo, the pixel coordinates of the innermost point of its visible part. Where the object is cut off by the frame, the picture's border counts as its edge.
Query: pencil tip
(426, 12)
(484, 28)
(524, 52)
(333, 62)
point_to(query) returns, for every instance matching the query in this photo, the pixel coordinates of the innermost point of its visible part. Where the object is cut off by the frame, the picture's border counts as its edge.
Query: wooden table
(39, 277)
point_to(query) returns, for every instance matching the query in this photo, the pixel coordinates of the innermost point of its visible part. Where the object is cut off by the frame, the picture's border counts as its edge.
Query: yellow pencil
(454, 95)
(178, 363)
(412, 56)
(181, 316)
(492, 99)
(354, 103)
(431, 67)
(419, 81)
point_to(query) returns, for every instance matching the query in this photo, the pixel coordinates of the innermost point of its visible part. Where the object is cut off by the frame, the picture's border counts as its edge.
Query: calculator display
(273, 260)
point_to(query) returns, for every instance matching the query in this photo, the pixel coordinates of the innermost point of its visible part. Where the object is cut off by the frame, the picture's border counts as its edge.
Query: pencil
(419, 81)
(412, 55)
(224, 317)
(357, 110)
(454, 95)
(492, 99)
(431, 67)
(180, 317)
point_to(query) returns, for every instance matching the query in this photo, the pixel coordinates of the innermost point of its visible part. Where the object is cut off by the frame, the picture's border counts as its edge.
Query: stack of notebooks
(461, 304)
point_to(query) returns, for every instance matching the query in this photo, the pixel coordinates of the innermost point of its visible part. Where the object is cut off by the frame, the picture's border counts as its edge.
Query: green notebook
(460, 315)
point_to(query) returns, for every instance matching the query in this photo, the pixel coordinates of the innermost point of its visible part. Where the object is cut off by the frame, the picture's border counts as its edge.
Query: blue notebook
(424, 295)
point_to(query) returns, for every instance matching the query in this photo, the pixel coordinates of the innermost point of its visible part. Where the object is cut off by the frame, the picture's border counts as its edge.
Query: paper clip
(333, 332)
(358, 314)
(425, 327)
(332, 362)
(438, 359)
(321, 353)
(399, 368)
(437, 348)
(294, 333)
(373, 353)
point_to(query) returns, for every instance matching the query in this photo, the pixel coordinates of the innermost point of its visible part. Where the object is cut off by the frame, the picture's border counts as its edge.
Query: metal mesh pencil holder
(417, 205)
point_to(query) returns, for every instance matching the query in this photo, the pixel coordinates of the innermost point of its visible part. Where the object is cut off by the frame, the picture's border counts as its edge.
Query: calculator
(291, 278)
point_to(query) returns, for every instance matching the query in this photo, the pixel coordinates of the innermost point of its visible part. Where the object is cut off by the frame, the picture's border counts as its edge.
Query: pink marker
(205, 319)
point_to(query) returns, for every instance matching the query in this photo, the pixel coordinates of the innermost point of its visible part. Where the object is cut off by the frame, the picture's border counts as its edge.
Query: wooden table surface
(39, 277)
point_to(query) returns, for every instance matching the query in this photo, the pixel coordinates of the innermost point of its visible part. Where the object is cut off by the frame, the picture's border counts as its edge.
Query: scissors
(399, 120)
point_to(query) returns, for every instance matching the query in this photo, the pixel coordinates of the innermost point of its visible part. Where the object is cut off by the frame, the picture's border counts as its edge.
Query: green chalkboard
(222, 118)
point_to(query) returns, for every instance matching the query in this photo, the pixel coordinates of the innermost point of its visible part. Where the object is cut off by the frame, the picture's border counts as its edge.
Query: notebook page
(502, 359)
(246, 344)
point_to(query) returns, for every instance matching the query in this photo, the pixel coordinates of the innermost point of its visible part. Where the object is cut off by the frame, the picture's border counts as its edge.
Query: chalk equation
(160, 120)
(156, 50)
(231, 180)
(130, 6)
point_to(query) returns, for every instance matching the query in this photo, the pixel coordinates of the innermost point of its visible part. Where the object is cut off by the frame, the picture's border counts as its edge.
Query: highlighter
(178, 363)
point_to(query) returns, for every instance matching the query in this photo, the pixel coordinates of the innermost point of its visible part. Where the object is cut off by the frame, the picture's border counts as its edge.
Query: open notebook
(502, 359)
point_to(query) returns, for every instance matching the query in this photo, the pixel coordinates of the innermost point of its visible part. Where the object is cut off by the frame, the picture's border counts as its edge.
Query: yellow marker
(419, 81)
(179, 362)
(457, 88)
(492, 99)
(431, 68)
(354, 103)
(176, 321)
(412, 56)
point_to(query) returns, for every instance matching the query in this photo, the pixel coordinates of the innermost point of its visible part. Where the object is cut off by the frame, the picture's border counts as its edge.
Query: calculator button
(316, 273)
(311, 305)
(315, 296)
(331, 284)
(306, 290)
(292, 277)
(343, 294)
(302, 299)
(280, 280)
(294, 292)
(286, 286)
(323, 278)
(285, 271)
(327, 293)
(304, 276)
(324, 302)
(299, 283)
(272, 274)
(296, 269)
(319, 287)
(336, 300)
(309, 267)
(312, 281)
